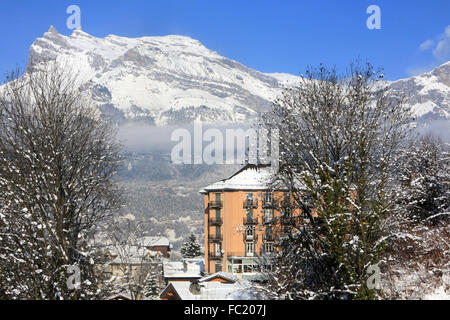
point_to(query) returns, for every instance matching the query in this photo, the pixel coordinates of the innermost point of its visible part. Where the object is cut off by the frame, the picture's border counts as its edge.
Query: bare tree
(339, 141)
(424, 188)
(57, 163)
(136, 271)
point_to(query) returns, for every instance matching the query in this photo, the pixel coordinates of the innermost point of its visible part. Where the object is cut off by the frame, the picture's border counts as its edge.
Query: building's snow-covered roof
(238, 290)
(155, 241)
(224, 275)
(132, 255)
(188, 268)
(251, 177)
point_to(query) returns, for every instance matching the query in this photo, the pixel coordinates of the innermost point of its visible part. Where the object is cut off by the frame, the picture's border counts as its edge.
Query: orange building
(239, 221)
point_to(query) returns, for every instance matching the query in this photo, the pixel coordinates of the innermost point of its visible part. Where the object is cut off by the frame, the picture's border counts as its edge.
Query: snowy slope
(428, 94)
(161, 79)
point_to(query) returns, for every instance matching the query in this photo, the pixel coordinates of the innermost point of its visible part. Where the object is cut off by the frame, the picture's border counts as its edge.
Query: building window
(248, 268)
(218, 232)
(269, 233)
(268, 197)
(249, 203)
(215, 201)
(249, 232)
(268, 247)
(249, 249)
(287, 199)
(235, 265)
(218, 267)
(287, 211)
(217, 250)
(268, 215)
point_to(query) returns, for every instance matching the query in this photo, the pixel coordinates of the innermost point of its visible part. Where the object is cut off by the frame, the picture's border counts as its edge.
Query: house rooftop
(223, 275)
(188, 268)
(250, 177)
(155, 242)
(210, 290)
(132, 255)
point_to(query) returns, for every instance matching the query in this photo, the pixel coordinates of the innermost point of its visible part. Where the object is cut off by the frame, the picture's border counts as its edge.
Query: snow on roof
(188, 268)
(250, 177)
(155, 241)
(225, 275)
(122, 295)
(239, 290)
(132, 255)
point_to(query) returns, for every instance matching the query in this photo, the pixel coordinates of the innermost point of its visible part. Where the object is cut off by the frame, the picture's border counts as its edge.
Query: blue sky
(269, 36)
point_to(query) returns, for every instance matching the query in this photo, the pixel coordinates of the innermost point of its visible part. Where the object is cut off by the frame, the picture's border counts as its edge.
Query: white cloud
(426, 45)
(440, 48)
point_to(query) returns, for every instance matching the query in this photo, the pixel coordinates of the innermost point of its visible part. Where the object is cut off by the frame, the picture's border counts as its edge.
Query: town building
(158, 244)
(133, 261)
(240, 214)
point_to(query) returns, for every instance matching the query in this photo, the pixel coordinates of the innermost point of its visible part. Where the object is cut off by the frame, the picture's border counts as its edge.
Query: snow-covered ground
(419, 264)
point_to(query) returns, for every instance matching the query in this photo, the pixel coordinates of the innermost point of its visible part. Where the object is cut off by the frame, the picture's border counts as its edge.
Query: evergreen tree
(191, 248)
(152, 287)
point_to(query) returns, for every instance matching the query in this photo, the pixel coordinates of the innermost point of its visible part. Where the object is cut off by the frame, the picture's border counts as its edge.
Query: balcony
(267, 254)
(268, 237)
(252, 237)
(268, 203)
(250, 204)
(249, 220)
(236, 254)
(215, 221)
(268, 220)
(289, 220)
(241, 254)
(215, 237)
(215, 256)
(215, 204)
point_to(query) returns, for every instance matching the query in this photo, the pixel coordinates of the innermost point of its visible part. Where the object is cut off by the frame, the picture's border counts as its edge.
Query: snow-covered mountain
(176, 80)
(161, 80)
(428, 94)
